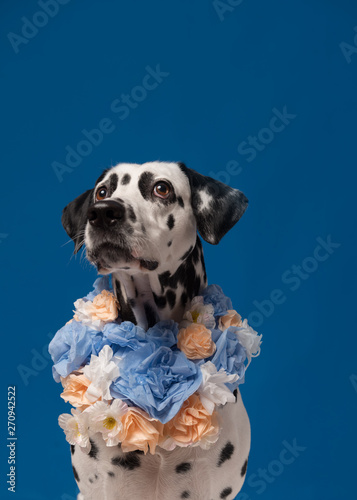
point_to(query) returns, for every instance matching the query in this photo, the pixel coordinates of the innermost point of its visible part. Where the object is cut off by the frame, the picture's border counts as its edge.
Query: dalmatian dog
(139, 223)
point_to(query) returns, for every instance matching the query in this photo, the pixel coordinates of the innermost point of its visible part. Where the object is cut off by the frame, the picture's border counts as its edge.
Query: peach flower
(232, 318)
(196, 341)
(103, 309)
(139, 431)
(75, 387)
(192, 425)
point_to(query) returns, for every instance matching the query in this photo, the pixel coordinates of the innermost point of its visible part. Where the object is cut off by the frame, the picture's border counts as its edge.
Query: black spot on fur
(136, 293)
(111, 474)
(72, 449)
(132, 303)
(186, 275)
(113, 183)
(125, 308)
(143, 228)
(244, 468)
(126, 179)
(128, 461)
(150, 265)
(184, 299)
(226, 492)
(235, 393)
(90, 480)
(101, 177)
(164, 279)
(184, 467)
(150, 315)
(186, 254)
(169, 243)
(195, 254)
(171, 221)
(186, 494)
(160, 301)
(171, 298)
(226, 453)
(131, 213)
(145, 184)
(180, 201)
(75, 473)
(94, 450)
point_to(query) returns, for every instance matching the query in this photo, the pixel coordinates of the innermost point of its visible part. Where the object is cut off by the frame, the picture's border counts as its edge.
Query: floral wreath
(159, 387)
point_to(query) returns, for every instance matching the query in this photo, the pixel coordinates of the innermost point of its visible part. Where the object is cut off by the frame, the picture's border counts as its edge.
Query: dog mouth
(108, 257)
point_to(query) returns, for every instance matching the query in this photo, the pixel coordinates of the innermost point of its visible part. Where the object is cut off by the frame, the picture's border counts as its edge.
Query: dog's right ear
(74, 218)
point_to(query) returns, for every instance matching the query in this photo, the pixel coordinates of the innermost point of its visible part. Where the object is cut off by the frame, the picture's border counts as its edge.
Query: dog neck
(148, 297)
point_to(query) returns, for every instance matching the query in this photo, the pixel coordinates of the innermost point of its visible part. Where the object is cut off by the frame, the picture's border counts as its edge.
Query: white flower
(106, 419)
(199, 312)
(84, 314)
(213, 390)
(75, 427)
(101, 371)
(249, 339)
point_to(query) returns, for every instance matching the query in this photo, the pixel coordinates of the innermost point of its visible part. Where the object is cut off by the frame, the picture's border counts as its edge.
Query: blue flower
(100, 284)
(70, 348)
(157, 380)
(230, 354)
(163, 333)
(125, 334)
(214, 295)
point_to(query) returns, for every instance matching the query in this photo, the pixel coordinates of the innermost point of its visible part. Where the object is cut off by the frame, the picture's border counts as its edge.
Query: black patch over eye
(162, 189)
(101, 193)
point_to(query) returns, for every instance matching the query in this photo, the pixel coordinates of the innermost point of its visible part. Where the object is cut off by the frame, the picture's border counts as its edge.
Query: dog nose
(105, 213)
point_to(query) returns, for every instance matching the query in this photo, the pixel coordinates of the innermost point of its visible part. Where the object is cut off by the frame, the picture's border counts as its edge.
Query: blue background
(226, 75)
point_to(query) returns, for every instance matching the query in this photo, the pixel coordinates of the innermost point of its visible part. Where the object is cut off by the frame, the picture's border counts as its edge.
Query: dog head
(145, 217)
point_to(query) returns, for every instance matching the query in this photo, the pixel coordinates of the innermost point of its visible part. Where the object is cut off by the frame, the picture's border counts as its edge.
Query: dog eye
(101, 193)
(162, 189)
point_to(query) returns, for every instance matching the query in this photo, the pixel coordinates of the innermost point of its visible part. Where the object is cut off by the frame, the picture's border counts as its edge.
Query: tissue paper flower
(230, 355)
(75, 427)
(103, 309)
(199, 312)
(196, 342)
(163, 333)
(70, 348)
(100, 284)
(232, 318)
(107, 419)
(192, 425)
(75, 387)
(101, 371)
(249, 339)
(125, 334)
(158, 380)
(139, 431)
(214, 295)
(213, 390)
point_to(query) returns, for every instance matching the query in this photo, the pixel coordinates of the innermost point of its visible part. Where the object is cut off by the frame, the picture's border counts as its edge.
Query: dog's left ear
(216, 206)
(74, 218)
